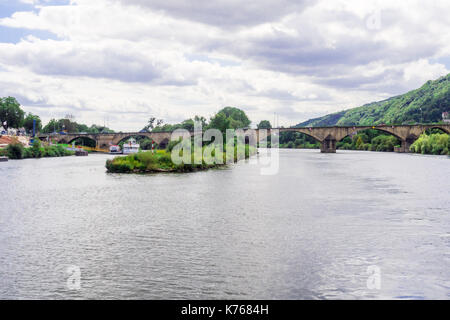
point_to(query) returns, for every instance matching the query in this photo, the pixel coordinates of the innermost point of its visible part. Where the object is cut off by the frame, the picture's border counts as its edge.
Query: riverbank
(17, 151)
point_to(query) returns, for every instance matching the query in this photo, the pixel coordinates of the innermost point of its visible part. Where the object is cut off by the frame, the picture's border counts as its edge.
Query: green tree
(68, 125)
(82, 128)
(188, 124)
(202, 120)
(264, 124)
(359, 143)
(11, 115)
(229, 118)
(220, 122)
(28, 123)
(51, 126)
(98, 129)
(150, 125)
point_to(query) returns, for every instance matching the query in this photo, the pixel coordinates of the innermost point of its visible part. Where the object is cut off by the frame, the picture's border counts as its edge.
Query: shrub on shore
(15, 151)
(18, 151)
(437, 143)
(369, 140)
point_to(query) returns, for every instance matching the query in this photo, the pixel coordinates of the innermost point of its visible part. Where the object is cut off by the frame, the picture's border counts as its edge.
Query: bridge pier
(405, 146)
(328, 145)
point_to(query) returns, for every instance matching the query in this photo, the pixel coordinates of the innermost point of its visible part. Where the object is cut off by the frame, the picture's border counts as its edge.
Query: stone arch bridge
(104, 140)
(327, 136)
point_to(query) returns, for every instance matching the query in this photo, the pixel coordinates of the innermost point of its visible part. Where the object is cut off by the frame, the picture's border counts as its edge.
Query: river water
(351, 225)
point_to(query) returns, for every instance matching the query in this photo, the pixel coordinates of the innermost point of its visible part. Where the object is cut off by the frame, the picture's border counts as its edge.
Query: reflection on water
(310, 231)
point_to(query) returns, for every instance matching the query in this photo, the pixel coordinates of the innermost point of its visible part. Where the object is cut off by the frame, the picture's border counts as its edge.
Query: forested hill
(433, 97)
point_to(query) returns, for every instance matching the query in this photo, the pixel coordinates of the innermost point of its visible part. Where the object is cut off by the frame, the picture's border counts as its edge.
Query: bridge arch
(163, 143)
(442, 128)
(383, 130)
(93, 144)
(303, 131)
(341, 144)
(129, 136)
(308, 133)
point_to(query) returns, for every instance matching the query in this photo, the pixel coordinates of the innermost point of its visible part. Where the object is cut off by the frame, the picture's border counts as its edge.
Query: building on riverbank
(446, 117)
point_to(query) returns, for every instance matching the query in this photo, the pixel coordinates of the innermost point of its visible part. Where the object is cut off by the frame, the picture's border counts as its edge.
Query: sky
(120, 62)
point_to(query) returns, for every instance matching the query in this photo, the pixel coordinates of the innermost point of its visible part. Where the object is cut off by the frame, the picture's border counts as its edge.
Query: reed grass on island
(161, 161)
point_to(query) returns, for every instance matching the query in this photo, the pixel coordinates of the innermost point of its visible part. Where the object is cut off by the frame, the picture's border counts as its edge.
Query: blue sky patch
(221, 62)
(14, 35)
(8, 7)
(443, 60)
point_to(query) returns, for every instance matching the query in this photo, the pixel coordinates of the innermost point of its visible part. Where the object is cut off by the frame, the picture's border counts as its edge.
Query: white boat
(113, 149)
(130, 147)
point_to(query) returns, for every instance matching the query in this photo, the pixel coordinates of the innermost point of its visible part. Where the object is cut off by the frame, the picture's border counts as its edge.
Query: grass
(161, 161)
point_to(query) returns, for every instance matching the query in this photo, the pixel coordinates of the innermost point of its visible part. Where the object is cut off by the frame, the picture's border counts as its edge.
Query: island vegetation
(161, 161)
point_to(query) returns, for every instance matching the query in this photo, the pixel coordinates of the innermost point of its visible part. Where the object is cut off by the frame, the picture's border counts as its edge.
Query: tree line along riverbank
(226, 118)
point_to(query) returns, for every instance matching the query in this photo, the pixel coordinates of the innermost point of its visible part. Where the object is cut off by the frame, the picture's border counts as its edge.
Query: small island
(161, 161)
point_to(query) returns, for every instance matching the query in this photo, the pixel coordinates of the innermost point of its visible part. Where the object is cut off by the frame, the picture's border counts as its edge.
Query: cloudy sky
(122, 61)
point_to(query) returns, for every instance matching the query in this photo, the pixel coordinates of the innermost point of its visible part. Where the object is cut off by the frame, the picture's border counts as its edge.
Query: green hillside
(433, 98)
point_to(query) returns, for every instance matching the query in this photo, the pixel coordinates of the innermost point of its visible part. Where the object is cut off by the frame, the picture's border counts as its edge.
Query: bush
(15, 151)
(161, 160)
(27, 153)
(172, 144)
(50, 152)
(438, 144)
(165, 159)
(36, 149)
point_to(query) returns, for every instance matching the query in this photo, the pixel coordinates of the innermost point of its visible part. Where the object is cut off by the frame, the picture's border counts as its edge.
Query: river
(351, 225)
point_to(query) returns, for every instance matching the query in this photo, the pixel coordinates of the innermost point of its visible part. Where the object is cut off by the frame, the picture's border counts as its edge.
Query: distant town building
(446, 117)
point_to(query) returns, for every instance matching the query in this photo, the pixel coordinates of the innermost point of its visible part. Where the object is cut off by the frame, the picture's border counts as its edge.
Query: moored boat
(114, 149)
(131, 147)
(81, 153)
